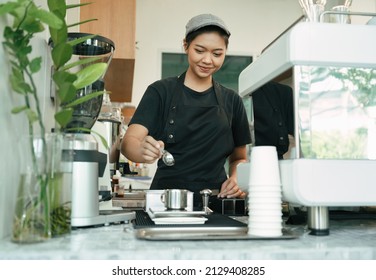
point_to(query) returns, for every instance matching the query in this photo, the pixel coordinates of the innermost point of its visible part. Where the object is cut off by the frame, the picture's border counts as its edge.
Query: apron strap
(218, 91)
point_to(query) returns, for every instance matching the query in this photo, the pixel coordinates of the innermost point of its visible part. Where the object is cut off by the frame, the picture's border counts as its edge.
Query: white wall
(160, 26)
(8, 157)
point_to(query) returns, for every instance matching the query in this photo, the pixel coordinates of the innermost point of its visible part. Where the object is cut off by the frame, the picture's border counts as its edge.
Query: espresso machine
(334, 161)
(89, 163)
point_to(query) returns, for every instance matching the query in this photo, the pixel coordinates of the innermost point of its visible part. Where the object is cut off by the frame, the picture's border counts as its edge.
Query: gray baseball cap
(203, 20)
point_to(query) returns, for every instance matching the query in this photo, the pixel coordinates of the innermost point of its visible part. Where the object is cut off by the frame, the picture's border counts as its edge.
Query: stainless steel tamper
(206, 193)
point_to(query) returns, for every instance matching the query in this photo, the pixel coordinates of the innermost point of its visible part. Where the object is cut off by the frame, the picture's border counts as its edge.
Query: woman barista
(200, 122)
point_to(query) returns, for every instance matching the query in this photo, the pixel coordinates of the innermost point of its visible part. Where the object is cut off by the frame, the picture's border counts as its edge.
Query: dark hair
(206, 29)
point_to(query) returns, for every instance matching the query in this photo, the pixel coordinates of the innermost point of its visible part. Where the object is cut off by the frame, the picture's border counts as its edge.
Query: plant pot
(43, 203)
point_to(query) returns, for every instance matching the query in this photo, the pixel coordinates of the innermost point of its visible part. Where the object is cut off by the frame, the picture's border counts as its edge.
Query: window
(174, 64)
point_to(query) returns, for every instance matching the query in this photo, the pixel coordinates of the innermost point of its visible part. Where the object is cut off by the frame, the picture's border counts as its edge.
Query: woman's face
(206, 54)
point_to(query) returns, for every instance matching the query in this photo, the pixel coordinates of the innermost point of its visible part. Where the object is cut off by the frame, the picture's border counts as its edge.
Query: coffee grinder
(89, 164)
(109, 125)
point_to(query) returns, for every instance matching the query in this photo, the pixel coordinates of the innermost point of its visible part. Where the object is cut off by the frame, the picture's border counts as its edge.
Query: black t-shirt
(273, 116)
(206, 163)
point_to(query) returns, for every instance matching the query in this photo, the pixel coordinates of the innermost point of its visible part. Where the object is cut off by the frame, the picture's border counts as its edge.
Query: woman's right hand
(138, 146)
(151, 149)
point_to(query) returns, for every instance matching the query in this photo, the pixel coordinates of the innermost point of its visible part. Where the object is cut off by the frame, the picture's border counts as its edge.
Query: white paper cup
(265, 206)
(264, 219)
(255, 200)
(265, 232)
(265, 212)
(264, 225)
(242, 175)
(265, 188)
(262, 194)
(264, 166)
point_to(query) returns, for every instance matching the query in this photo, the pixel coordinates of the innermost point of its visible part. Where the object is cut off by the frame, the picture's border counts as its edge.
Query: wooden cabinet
(119, 79)
(116, 20)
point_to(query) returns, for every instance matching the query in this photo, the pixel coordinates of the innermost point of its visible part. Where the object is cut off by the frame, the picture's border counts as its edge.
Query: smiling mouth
(204, 69)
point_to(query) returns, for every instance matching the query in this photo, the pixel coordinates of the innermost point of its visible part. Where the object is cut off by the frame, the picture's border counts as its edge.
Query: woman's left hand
(230, 189)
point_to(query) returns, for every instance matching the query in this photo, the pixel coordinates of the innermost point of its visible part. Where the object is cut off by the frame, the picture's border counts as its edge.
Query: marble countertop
(348, 239)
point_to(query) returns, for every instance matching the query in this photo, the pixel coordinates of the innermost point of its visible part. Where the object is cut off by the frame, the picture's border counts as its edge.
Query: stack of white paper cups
(265, 194)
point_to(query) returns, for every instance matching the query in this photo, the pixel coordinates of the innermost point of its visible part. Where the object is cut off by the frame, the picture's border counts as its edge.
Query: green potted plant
(38, 214)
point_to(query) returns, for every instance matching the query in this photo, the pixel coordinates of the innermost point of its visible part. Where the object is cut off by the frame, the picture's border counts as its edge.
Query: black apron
(196, 136)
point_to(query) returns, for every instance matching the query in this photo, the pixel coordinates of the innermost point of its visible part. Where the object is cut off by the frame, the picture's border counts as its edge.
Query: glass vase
(60, 184)
(43, 205)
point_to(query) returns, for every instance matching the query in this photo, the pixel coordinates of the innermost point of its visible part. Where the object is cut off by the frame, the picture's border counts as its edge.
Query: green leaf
(23, 60)
(29, 20)
(18, 109)
(90, 74)
(17, 73)
(72, 6)
(59, 36)
(103, 140)
(64, 116)
(31, 115)
(32, 27)
(7, 8)
(60, 77)
(79, 62)
(8, 33)
(58, 7)
(35, 64)
(61, 54)
(47, 17)
(24, 50)
(84, 98)
(82, 22)
(66, 92)
(81, 39)
(19, 85)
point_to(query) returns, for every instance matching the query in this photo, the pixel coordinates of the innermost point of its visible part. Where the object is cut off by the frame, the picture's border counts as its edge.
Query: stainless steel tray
(204, 233)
